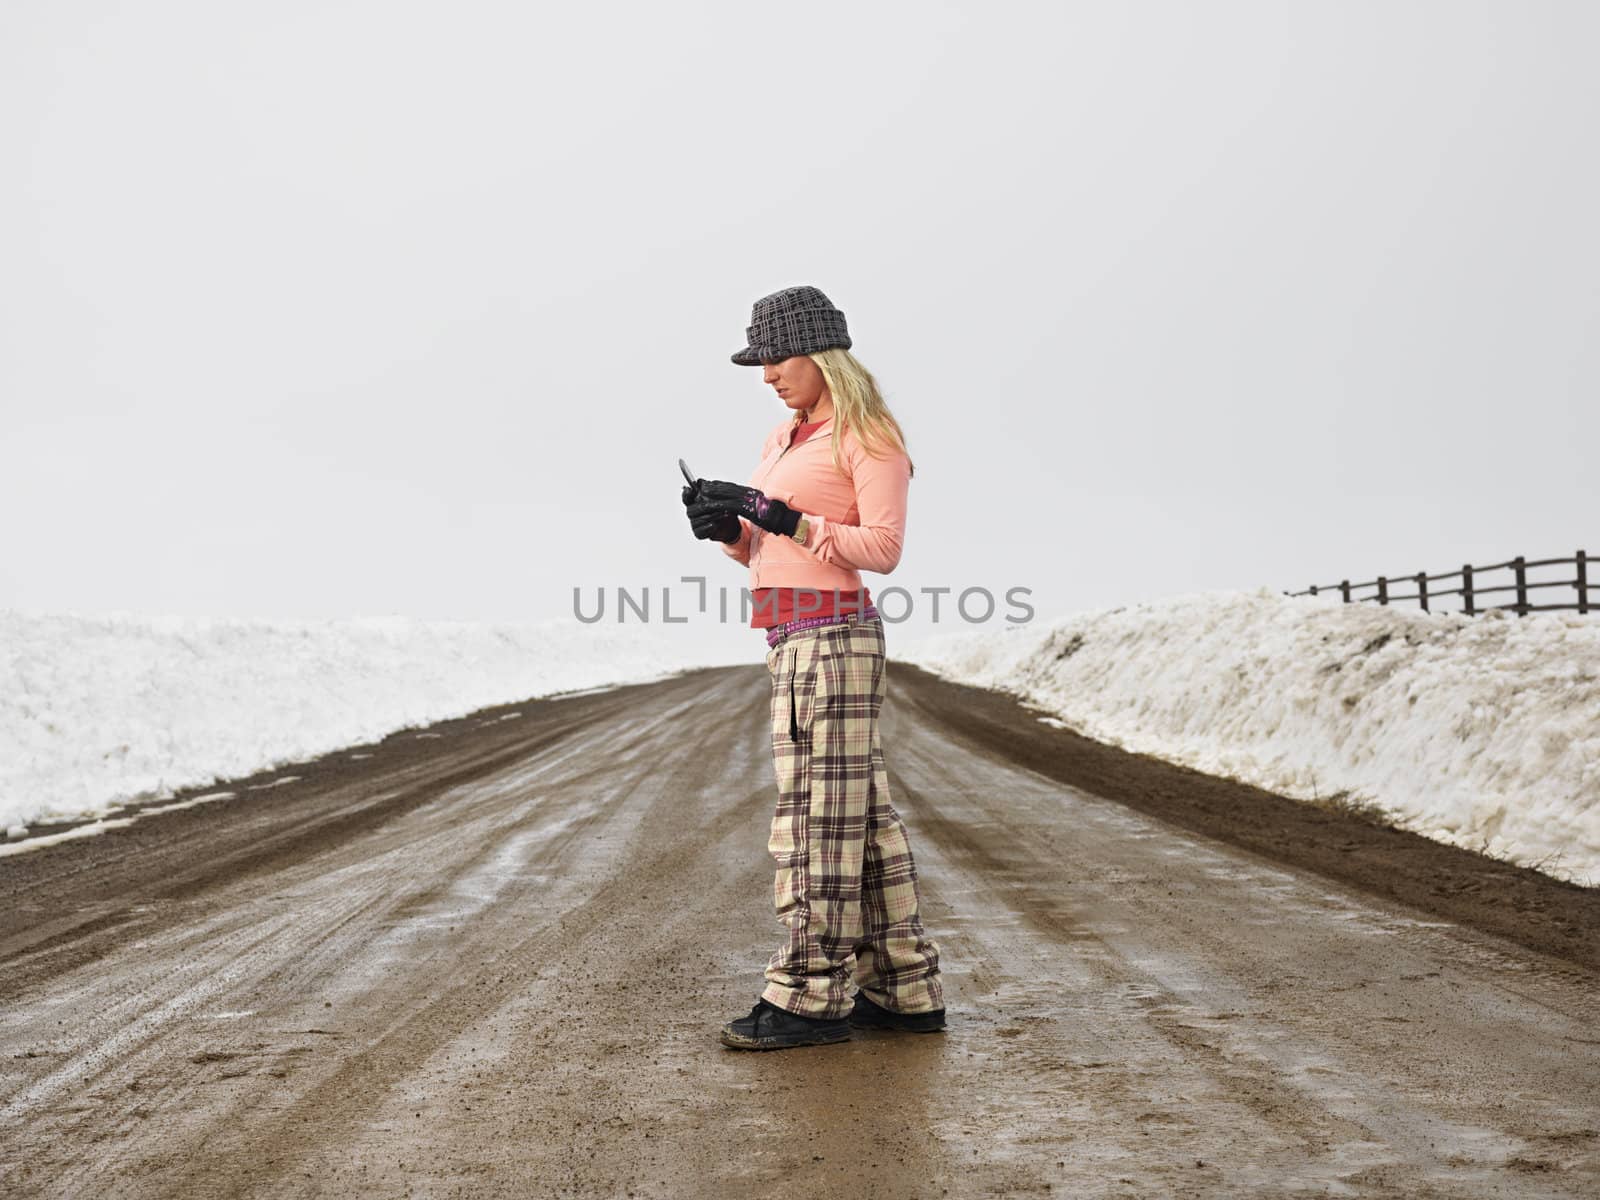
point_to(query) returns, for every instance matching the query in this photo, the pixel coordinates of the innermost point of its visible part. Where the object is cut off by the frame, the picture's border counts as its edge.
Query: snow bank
(95, 712)
(1481, 732)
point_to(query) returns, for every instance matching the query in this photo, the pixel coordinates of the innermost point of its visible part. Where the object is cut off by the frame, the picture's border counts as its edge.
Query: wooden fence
(1472, 589)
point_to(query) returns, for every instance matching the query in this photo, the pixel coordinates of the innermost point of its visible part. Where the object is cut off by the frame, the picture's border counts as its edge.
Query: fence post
(1466, 589)
(1518, 565)
(1583, 582)
(1344, 590)
(1422, 589)
(1383, 589)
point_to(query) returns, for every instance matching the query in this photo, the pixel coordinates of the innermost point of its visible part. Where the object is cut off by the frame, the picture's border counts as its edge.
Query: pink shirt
(857, 515)
(774, 605)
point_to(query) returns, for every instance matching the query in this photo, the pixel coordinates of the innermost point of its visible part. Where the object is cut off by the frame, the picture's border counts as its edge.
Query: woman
(827, 501)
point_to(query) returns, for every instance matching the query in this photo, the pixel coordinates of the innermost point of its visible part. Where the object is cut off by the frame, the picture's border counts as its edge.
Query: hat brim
(754, 356)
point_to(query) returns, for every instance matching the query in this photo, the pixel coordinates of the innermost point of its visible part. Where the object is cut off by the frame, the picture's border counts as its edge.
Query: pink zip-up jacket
(857, 518)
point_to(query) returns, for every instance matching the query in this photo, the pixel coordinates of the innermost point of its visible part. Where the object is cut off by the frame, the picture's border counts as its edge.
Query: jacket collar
(788, 433)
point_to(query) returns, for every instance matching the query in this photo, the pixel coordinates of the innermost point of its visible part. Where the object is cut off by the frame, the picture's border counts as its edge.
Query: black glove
(750, 503)
(709, 522)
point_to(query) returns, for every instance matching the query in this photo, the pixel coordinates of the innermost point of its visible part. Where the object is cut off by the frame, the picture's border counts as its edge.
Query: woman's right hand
(710, 522)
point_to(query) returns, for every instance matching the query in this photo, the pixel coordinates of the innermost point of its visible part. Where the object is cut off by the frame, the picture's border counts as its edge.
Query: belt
(778, 632)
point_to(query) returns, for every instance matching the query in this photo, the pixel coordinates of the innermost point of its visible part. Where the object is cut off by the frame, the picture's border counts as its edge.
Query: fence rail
(1472, 590)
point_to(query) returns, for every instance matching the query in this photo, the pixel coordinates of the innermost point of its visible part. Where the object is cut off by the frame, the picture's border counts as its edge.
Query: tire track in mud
(157, 869)
(1311, 1107)
(1391, 865)
(493, 962)
(367, 890)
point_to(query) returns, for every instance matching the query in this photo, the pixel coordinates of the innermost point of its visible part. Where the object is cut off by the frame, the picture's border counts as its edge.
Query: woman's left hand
(750, 503)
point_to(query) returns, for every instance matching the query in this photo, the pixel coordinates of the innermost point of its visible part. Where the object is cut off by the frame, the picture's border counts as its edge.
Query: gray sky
(326, 309)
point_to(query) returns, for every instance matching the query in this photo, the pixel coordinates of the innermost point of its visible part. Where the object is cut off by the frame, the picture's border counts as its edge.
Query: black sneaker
(769, 1027)
(868, 1015)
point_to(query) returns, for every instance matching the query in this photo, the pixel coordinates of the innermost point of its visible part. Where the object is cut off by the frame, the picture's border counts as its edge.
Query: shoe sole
(734, 1041)
(896, 1027)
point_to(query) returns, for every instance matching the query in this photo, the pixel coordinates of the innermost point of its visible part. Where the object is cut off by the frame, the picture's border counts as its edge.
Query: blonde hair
(858, 406)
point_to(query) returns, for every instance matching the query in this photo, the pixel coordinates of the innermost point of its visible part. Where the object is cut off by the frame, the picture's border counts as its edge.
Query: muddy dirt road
(491, 959)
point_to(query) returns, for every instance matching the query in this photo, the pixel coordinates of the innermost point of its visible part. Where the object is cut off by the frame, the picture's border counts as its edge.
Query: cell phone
(687, 474)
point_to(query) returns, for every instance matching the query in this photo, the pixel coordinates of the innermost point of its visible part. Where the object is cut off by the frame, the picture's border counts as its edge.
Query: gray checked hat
(797, 320)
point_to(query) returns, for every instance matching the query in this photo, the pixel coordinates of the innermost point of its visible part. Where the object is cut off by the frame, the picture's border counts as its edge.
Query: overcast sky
(320, 309)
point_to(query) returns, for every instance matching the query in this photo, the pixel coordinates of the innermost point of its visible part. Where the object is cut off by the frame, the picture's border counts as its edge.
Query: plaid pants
(846, 888)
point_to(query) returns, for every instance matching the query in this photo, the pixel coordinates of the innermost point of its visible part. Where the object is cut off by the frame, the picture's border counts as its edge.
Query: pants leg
(897, 964)
(845, 888)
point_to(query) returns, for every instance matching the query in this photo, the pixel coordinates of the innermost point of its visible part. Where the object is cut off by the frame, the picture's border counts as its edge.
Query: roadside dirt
(491, 958)
(1518, 903)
